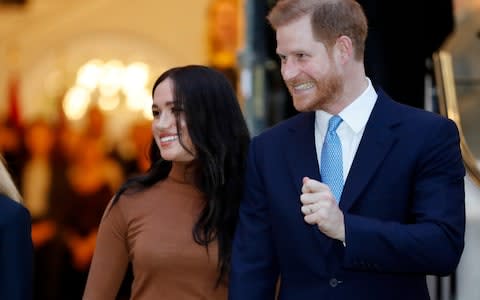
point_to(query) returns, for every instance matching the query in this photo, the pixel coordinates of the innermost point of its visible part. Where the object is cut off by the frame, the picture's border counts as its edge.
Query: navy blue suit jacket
(403, 205)
(16, 251)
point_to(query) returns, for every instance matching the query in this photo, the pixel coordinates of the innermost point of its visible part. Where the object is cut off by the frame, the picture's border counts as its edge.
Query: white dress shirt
(350, 131)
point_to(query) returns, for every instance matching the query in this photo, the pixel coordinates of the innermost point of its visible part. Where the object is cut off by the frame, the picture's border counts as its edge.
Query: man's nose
(289, 69)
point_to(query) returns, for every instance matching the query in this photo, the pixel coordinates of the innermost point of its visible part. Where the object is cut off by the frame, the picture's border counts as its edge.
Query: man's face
(308, 69)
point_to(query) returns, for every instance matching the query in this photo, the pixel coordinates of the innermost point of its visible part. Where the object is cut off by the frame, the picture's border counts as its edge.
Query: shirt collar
(356, 114)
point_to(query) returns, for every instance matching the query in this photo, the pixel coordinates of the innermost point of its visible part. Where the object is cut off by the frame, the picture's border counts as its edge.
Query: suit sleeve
(254, 268)
(16, 255)
(432, 241)
(110, 259)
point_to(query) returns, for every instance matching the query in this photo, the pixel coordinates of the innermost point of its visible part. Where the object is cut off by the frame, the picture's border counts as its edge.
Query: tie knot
(333, 123)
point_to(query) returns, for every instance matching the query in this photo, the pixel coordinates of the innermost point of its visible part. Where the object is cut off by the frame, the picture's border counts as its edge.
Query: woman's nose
(164, 121)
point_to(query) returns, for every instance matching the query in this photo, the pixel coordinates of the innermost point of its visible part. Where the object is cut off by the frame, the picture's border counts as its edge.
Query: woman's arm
(110, 259)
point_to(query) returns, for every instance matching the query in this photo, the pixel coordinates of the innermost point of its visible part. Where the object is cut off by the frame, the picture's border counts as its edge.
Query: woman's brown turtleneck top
(153, 230)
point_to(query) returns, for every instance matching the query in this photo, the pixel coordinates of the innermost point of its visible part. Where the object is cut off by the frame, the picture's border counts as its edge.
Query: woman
(16, 249)
(175, 224)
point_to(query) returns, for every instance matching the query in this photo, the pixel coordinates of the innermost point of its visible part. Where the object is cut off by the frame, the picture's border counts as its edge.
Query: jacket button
(333, 282)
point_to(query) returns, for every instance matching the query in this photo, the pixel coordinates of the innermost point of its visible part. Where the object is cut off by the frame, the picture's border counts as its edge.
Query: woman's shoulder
(133, 197)
(130, 204)
(137, 192)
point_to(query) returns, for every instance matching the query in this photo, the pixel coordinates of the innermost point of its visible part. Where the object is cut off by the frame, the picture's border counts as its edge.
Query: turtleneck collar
(182, 173)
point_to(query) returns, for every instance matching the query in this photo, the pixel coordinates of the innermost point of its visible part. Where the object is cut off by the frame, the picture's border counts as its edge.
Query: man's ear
(344, 48)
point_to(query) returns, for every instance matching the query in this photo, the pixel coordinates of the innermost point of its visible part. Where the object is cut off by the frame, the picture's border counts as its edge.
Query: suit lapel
(302, 161)
(301, 153)
(378, 138)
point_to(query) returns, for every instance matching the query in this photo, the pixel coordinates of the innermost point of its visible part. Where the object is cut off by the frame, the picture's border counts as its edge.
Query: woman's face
(164, 125)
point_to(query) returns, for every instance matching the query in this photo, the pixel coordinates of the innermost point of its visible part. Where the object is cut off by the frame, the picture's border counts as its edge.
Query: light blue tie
(331, 165)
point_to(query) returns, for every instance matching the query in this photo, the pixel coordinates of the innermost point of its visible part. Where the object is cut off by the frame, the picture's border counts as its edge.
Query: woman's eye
(155, 113)
(177, 109)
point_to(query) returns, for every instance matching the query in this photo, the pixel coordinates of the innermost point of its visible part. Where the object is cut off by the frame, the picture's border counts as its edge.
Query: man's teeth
(168, 138)
(304, 86)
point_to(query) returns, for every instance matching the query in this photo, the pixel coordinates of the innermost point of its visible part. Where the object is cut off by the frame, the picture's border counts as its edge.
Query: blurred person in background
(42, 186)
(135, 158)
(11, 148)
(91, 180)
(16, 249)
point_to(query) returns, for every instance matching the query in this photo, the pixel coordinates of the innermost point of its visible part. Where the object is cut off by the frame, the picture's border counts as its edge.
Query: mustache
(298, 80)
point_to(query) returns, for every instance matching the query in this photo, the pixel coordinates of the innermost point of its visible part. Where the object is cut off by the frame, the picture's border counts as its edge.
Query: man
(394, 210)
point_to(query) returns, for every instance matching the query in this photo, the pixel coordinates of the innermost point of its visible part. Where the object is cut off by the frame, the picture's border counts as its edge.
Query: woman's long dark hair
(220, 136)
